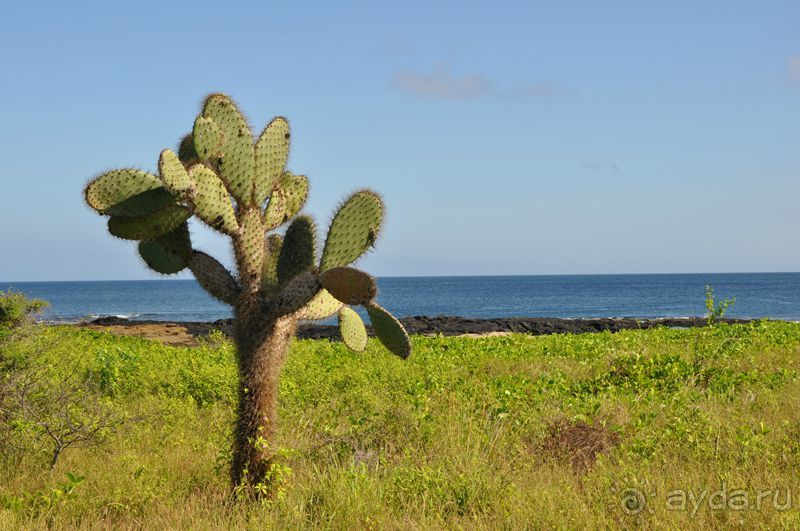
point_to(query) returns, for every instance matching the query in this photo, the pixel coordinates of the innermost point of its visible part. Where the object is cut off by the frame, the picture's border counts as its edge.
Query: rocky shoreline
(187, 333)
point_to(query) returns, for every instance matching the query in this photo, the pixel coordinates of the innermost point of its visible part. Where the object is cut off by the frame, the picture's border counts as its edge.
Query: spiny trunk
(261, 350)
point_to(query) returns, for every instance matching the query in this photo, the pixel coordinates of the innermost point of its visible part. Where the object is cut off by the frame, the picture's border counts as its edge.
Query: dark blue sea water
(775, 295)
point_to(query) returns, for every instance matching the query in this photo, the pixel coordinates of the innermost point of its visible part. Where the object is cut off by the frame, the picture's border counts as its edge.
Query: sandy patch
(168, 333)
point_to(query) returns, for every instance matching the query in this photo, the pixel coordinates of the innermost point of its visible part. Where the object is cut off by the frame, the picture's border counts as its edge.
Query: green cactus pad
(354, 334)
(274, 214)
(177, 241)
(296, 294)
(148, 227)
(269, 266)
(212, 203)
(350, 285)
(299, 248)
(272, 150)
(237, 156)
(160, 259)
(322, 306)
(213, 277)
(173, 174)
(294, 189)
(143, 204)
(186, 152)
(389, 330)
(116, 186)
(286, 200)
(207, 138)
(252, 242)
(354, 228)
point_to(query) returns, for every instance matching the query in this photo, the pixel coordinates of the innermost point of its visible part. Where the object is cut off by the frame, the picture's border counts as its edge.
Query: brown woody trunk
(261, 350)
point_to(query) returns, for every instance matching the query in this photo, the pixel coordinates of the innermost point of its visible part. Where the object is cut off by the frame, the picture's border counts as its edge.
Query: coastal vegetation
(17, 309)
(716, 309)
(682, 428)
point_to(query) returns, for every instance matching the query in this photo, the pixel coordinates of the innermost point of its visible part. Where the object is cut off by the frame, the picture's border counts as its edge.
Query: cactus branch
(214, 278)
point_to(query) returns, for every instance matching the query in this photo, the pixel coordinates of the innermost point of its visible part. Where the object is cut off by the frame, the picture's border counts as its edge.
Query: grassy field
(664, 428)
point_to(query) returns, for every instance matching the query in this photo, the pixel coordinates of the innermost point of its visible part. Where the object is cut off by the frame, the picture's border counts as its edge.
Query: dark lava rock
(450, 326)
(453, 326)
(111, 320)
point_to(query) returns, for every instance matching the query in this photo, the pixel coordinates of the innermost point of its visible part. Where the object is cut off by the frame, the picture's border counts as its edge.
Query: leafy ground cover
(665, 428)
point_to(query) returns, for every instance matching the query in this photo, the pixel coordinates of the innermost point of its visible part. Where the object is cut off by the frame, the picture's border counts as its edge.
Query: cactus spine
(241, 188)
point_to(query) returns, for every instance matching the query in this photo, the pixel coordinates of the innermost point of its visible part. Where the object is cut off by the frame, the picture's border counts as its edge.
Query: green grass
(451, 437)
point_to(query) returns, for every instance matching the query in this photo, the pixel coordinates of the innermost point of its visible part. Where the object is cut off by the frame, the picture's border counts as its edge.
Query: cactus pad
(116, 186)
(353, 230)
(213, 277)
(349, 285)
(251, 243)
(186, 152)
(177, 241)
(160, 259)
(322, 306)
(212, 203)
(269, 266)
(298, 250)
(143, 204)
(272, 150)
(351, 327)
(389, 330)
(297, 293)
(207, 138)
(150, 226)
(287, 199)
(237, 156)
(173, 174)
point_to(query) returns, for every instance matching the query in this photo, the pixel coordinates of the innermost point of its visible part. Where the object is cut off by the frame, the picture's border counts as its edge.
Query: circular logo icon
(633, 501)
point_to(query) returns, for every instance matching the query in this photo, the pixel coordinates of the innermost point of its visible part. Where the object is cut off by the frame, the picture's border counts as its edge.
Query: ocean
(774, 295)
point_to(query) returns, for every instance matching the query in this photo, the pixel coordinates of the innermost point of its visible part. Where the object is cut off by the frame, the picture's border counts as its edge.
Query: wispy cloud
(443, 85)
(793, 67)
(602, 166)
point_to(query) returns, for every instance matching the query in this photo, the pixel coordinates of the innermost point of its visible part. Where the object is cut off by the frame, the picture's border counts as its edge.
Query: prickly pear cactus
(240, 187)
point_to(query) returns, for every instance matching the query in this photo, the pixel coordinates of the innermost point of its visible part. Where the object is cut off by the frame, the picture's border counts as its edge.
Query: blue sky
(506, 137)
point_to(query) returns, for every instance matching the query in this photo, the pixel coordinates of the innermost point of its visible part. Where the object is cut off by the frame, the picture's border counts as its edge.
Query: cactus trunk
(261, 351)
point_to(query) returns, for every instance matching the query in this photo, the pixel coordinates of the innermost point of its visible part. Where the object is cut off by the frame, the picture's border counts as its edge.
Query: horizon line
(6, 282)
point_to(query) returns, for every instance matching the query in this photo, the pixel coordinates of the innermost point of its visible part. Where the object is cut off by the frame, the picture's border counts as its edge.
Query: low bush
(17, 309)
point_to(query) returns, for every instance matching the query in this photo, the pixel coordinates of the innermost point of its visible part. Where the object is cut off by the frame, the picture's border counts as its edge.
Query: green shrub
(715, 310)
(16, 308)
